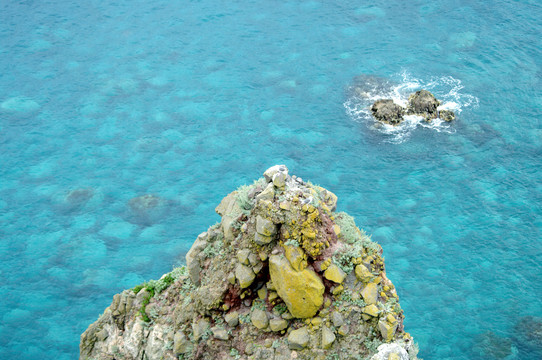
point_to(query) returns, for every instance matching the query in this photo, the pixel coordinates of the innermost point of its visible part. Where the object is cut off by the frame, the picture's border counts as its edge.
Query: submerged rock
(490, 346)
(528, 335)
(147, 209)
(315, 287)
(368, 86)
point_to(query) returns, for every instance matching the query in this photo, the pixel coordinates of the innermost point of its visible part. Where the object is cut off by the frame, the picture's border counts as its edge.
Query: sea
(124, 123)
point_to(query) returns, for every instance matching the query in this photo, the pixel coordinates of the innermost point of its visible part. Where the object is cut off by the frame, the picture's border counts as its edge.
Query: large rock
(298, 339)
(302, 291)
(388, 112)
(275, 279)
(424, 104)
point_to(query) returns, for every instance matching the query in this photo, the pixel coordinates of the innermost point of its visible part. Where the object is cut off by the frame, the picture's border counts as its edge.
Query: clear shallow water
(189, 101)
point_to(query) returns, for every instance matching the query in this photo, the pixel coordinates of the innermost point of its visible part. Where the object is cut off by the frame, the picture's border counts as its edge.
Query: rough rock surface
(387, 111)
(314, 287)
(421, 103)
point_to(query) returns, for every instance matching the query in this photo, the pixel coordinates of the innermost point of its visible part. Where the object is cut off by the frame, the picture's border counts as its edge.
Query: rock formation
(421, 103)
(388, 112)
(282, 276)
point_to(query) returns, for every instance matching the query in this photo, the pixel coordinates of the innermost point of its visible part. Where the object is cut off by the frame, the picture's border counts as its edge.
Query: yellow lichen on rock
(296, 257)
(335, 274)
(301, 291)
(370, 293)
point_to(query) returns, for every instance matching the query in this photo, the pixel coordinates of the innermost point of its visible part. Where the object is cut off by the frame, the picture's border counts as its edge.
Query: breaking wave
(366, 89)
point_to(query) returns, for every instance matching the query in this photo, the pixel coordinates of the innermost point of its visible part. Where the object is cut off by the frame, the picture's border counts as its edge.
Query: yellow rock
(309, 233)
(316, 321)
(335, 274)
(343, 330)
(295, 256)
(285, 205)
(338, 289)
(244, 275)
(370, 293)
(394, 356)
(337, 229)
(272, 296)
(363, 274)
(328, 337)
(387, 330)
(391, 319)
(371, 310)
(301, 291)
(262, 293)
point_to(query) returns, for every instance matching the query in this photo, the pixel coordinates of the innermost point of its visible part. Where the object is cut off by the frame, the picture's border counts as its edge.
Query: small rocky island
(421, 103)
(282, 276)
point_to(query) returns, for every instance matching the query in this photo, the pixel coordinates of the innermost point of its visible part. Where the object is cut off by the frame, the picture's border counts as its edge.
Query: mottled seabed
(102, 104)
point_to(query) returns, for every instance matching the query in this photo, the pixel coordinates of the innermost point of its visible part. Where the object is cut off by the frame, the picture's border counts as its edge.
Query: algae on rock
(281, 276)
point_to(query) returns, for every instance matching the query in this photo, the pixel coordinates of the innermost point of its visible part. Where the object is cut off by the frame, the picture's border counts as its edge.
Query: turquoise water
(102, 103)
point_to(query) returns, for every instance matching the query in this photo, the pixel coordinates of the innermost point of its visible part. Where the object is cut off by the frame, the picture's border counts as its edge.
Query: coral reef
(282, 276)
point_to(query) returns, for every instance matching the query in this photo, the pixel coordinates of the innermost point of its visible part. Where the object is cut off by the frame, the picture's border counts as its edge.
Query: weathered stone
(269, 173)
(231, 278)
(220, 333)
(386, 329)
(423, 103)
(296, 256)
(199, 328)
(192, 261)
(370, 293)
(102, 335)
(316, 321)
(446, 115)
(371, 310)
(262, 240)
(253, 259)
(242, 256)
(262, 293)
(337, 319)
(301, 291)
(298, 339)
(329, 198)
(343, 330)
(279, 180)
(244, 275)
(265, 226)
(259, 318)
(335, 274)
(232, 318)
(363, 274)
(181, 345)
(328, 337)
(387, 111)
(278, 324)
(267, 194)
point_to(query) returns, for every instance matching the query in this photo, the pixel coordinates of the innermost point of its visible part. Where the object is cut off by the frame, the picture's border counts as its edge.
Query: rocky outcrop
(421, 103)
(282, 276)
(387, 111)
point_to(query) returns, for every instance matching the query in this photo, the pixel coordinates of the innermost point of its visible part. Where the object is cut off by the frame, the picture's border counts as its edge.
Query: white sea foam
(447, 89)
